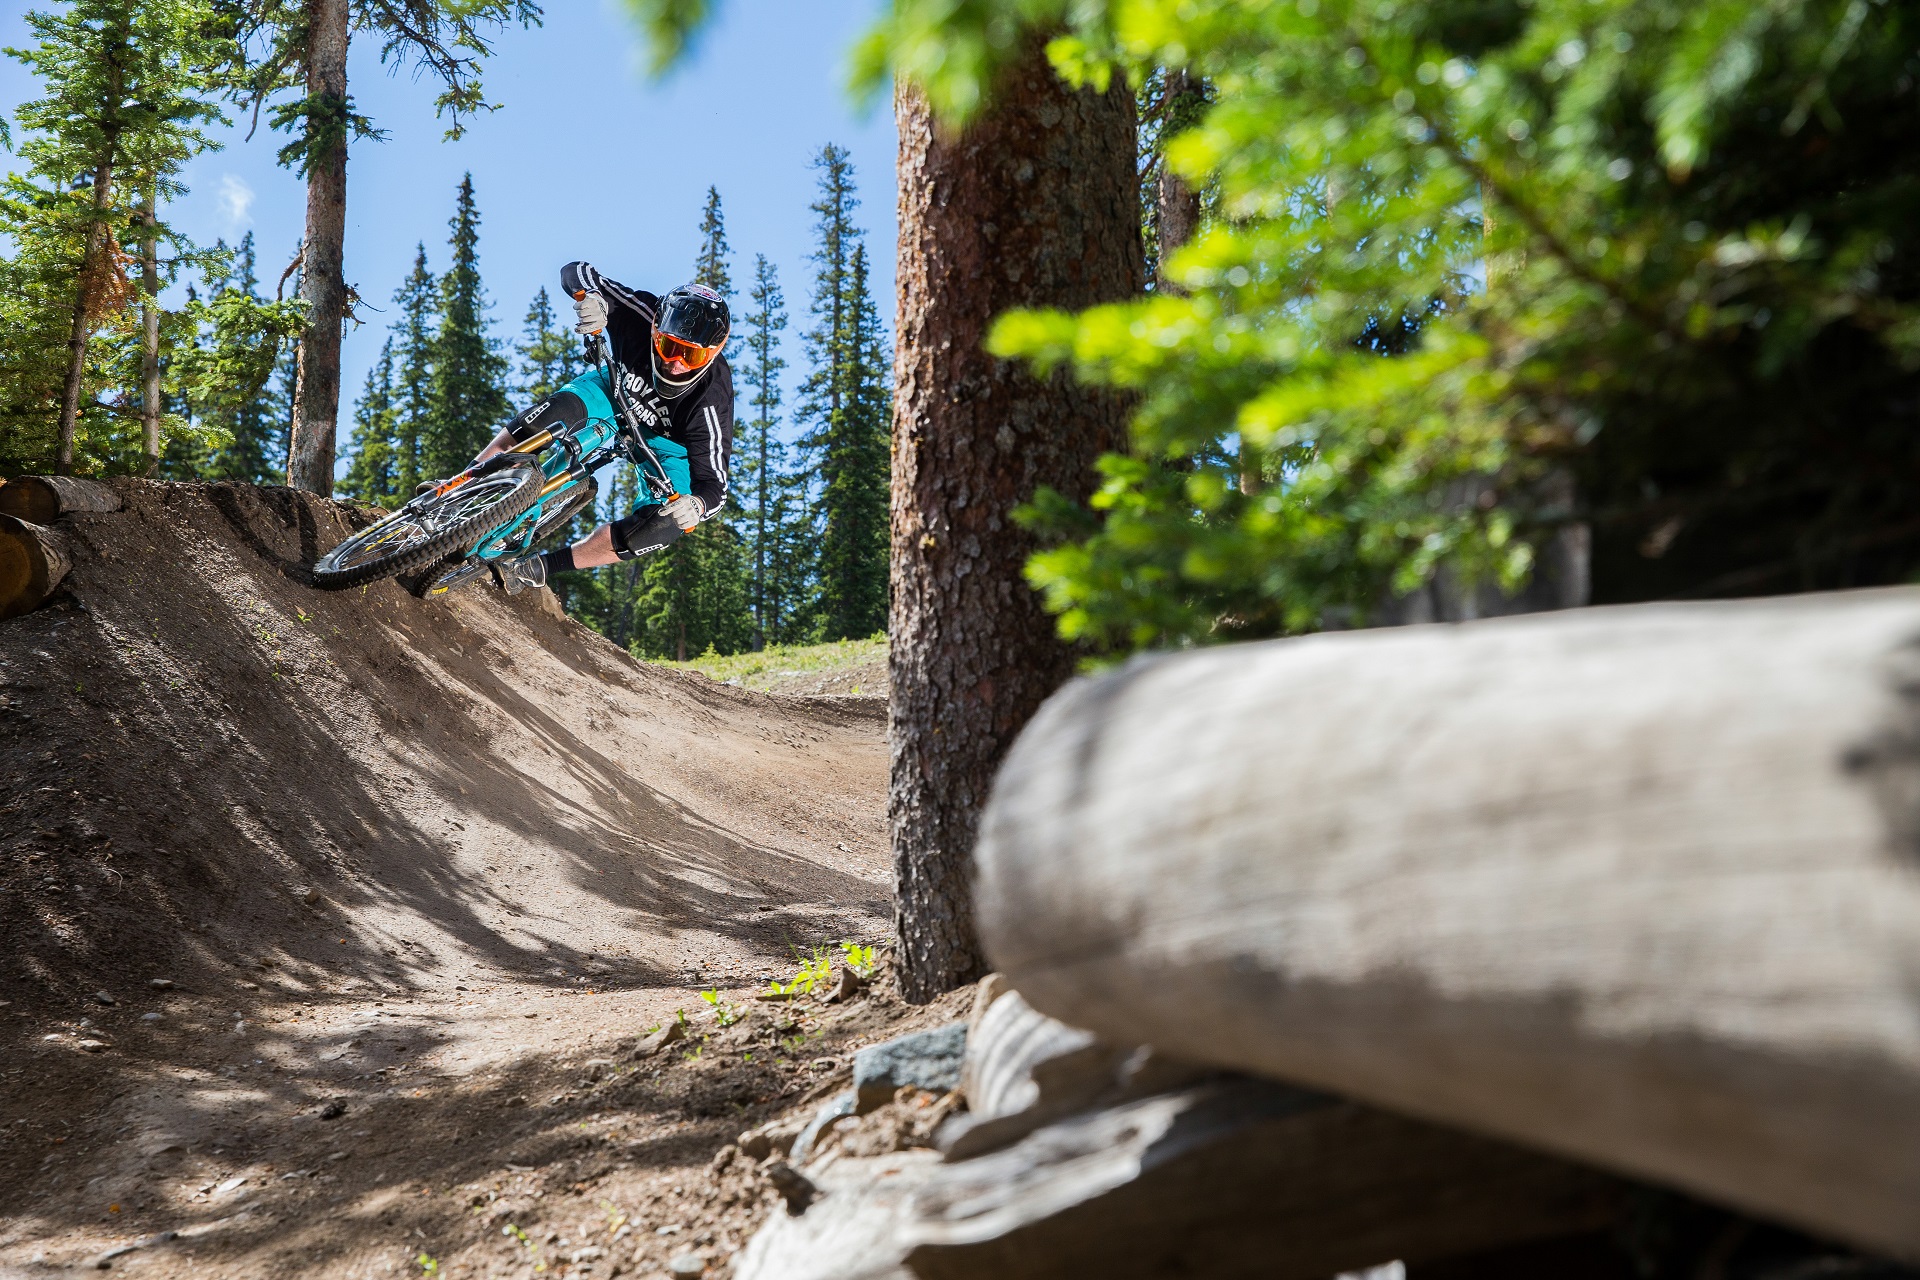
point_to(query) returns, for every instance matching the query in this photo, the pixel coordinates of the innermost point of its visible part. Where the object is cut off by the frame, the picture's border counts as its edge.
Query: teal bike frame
(570, 457)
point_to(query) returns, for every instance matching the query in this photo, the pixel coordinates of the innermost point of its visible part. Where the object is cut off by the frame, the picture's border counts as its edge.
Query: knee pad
(646, 530)
(561, 409)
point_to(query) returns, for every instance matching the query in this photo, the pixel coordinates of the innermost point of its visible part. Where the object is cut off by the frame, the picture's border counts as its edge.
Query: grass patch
(779, 663)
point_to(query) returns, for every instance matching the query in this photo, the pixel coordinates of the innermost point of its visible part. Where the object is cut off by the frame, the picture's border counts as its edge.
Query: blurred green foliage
(1664, 248)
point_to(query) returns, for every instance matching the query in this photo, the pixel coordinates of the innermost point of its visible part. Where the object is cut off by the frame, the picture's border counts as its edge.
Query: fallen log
(44, 499)
(33, 560)
(1640, 886)
(1240, 1178)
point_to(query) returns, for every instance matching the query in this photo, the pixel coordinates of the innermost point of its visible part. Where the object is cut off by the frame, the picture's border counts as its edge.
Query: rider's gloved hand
(592, 310)
(685, 511)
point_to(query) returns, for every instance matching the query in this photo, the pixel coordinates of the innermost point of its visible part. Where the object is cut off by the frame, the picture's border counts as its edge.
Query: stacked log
(1636, 886)
(44, 499)
(34, 555)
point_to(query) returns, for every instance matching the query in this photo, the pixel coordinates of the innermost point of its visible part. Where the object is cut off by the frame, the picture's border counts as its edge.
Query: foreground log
(1637, 885)
(33, 560)
(44, 499)
(1235, 1178)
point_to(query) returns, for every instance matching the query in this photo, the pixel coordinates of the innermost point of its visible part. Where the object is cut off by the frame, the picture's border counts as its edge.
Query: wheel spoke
(381, 540)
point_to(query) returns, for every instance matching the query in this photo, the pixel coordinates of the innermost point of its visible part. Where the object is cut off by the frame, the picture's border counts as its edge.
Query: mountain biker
(684, 401)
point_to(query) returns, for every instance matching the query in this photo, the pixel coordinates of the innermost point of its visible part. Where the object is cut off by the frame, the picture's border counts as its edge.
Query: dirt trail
(420, 875)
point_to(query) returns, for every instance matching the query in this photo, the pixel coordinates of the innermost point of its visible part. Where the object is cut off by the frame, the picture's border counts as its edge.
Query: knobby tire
(338, 569)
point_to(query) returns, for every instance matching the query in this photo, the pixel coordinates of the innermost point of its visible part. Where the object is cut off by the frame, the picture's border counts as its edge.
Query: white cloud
(236, 202)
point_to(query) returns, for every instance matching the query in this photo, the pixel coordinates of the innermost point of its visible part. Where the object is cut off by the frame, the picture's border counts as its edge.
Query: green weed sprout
(815, 971)
(724, 1013)
(864, 961)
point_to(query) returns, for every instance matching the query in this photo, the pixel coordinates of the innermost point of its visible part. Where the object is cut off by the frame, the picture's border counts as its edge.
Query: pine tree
(550, 357)
(844, 400)
(281, 405)
(469, 399)
(695, 591)
(241, 337)
(417, 301)
(759, 455)
(710, 264)
(127, 89)
(371, 473)
(301, 68)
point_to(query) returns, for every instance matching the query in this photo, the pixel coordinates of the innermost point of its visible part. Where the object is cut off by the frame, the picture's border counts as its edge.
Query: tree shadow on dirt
(217, 776)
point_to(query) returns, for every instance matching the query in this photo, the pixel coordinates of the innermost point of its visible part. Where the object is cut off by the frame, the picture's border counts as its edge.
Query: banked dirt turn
(363, 901)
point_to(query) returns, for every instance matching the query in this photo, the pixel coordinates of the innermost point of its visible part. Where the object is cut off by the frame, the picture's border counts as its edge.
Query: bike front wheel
(434, 525)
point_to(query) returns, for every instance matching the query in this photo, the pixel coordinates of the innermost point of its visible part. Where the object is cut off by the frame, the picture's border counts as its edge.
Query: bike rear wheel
(432, 526)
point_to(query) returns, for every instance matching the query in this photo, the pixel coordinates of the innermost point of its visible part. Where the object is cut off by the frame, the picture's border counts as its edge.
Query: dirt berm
(331, 920)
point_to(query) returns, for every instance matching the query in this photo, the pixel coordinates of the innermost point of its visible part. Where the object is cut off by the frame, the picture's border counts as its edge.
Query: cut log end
(44, 499)
(33, 560)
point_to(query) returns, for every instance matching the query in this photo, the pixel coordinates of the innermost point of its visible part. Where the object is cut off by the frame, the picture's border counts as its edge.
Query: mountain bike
(502, 508)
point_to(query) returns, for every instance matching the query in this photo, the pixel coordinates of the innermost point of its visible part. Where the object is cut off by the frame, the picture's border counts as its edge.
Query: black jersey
(701, 420)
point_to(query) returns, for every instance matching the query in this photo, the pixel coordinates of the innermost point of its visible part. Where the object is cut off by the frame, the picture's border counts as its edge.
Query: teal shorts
(591, 388)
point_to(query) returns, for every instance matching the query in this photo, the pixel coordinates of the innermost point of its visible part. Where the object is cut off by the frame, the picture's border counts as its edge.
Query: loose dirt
(333, 920)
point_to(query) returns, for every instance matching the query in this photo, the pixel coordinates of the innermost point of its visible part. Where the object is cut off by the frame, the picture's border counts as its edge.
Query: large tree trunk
(150, 335)
(1037, 204)
(322, 282)
(94, 260)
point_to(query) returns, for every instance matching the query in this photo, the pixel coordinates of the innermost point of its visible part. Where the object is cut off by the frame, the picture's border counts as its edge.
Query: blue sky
(588, 157)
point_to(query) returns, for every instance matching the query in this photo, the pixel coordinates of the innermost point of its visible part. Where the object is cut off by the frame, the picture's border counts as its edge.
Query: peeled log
(44, 499)
(32, 562)
(1640, 885)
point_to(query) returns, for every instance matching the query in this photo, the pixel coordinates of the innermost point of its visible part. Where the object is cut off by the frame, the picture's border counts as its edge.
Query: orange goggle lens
(682, 356)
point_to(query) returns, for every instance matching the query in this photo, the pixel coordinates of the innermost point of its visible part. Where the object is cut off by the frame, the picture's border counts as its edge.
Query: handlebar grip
(573, 279)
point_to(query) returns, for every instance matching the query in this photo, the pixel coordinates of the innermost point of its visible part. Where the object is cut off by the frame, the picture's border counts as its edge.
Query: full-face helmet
(688, 333)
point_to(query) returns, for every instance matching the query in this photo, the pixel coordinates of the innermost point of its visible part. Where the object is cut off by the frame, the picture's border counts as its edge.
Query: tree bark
(1037, 204)
(1176, 205)
(150, 335)
(323, 280)
(93, 260)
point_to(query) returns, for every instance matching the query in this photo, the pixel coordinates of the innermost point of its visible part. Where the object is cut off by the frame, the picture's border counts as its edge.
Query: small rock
(839, 1107)
(102, 997)
(660, 1039)
(847, 988)
(588, 1254)
(231, 1184)
(775, 1137)
(249, 986)
(337, 1157)
(926, 1059)
(598, 1068)
(332, 1109)
(722, 1158)
(93, 1046)
(795, 1187)
(160, 984)
(687, 1266)
(150, 1017)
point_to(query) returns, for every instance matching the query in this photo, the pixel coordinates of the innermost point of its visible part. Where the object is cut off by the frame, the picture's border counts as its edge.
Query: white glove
(592, 310)
(685, 511)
